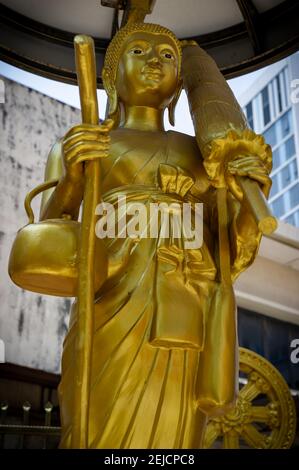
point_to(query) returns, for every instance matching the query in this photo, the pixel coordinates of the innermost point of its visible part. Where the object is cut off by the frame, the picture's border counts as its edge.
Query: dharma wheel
(264, 416)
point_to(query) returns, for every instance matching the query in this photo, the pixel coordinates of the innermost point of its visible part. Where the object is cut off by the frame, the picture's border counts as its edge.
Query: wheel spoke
(211, 434)
(250, 391)
(231, 440)
(253, 437)
(260, 414)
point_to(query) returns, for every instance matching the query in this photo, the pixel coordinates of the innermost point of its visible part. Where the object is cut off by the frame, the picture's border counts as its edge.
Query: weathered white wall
(32, 326)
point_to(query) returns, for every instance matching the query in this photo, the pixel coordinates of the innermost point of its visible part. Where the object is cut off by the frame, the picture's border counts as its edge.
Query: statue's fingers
(238, 171)
(82, 147)
(73, 130)
(234, 188)
(245, 157)
(107, 125)
(246, 161)
(84, 137)
(249, 169)
(83, 128)
(246, 169)
(90, 156)
(260, 177)
(255, 173)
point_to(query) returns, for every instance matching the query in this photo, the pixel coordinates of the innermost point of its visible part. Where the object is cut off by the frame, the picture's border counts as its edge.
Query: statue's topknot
(114, 49)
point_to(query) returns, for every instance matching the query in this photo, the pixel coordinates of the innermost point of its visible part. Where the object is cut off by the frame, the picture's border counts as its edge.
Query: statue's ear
(113, 102)
(172, 105)
(111, 92)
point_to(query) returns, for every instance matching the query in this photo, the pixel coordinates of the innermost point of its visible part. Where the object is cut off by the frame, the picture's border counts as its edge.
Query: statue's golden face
(148, 70)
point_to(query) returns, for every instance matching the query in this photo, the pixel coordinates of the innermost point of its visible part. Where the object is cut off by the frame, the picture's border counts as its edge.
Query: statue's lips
(153, 72)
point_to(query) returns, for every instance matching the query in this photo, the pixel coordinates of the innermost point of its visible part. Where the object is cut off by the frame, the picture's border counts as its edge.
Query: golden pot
(44, 255)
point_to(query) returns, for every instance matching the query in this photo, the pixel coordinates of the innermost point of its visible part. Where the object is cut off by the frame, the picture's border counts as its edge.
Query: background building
(272, 109)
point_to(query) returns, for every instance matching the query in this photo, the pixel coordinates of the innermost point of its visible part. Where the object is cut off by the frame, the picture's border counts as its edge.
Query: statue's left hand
(250, 166)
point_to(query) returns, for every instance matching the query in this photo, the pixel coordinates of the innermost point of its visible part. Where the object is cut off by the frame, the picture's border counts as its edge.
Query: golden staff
(86, 74)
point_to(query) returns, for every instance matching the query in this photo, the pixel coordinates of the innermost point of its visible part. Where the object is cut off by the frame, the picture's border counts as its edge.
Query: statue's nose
(154, 59)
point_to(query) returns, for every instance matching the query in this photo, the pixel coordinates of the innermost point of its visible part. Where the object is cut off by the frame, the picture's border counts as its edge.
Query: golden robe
(144, 392)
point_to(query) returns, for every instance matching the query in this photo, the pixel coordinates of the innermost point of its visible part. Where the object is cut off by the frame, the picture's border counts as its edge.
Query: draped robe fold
(144, 395)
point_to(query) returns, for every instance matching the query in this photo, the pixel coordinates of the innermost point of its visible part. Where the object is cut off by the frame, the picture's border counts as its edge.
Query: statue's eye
(137, 51)
(168, 55)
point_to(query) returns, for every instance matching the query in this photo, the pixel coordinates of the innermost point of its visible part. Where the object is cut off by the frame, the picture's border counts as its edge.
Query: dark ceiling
(249, 34)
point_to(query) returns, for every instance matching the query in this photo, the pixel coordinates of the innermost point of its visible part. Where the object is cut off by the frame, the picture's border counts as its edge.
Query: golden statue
(163, 341)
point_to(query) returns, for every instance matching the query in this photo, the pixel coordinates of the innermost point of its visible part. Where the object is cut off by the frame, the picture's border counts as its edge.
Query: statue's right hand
(82, 143)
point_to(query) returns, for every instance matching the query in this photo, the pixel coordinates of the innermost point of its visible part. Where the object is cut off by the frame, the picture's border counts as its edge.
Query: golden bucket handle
(34, 192)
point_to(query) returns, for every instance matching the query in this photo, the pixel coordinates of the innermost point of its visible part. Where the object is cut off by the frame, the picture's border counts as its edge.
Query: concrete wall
(32, 326)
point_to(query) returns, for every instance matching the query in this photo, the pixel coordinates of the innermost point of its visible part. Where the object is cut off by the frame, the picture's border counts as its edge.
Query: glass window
(290, 220)
(293, 219)
(279, 93)
(266, 106)
(271, 135)
(249, 115)
(294, 170)
(285, 122)
(278, 206)
(289, 174)
(285, 176)
(289, 148)
(276, 158)
(294, 195)
(284, 82)
(274, 187)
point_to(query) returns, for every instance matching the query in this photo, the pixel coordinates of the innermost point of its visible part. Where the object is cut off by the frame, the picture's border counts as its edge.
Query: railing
(25, 435)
